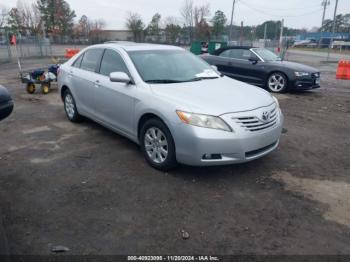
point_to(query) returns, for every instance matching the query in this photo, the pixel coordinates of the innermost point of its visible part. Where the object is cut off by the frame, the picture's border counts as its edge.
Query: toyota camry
(177, 107)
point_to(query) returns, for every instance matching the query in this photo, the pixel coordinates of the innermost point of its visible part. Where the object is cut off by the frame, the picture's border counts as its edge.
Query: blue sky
(297, 13)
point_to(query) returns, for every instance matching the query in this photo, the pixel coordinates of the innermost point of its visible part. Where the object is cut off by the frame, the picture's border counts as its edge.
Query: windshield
(266, 54)
(171, 66)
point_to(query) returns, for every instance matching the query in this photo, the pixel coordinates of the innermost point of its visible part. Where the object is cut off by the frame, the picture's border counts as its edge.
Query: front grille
(255, 124)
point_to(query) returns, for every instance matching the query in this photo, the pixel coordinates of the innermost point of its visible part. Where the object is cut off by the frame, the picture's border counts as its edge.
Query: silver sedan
(173, 104)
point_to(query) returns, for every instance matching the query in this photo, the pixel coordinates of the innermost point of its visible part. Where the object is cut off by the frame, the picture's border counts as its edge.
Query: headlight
(206, 121)
(301, 74)
(276, 101)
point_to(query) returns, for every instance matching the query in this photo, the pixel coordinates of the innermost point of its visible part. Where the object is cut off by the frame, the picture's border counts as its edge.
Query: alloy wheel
(277, 83)
(156, 145)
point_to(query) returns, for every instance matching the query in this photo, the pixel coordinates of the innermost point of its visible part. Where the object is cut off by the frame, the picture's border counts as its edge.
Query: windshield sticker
(207, 73)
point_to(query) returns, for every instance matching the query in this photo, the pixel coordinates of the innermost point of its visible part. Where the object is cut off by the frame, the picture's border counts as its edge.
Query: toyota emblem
(266, 116)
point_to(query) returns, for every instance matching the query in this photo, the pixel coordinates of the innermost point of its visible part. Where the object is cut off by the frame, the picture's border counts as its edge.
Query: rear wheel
(157, 145)
(70, 107)
(277, 83)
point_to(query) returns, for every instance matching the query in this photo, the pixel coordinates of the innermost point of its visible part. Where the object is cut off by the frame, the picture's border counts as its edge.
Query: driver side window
(112, 62)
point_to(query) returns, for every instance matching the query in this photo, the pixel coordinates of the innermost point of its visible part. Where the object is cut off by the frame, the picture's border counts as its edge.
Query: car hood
(214, 96)
(295, 66)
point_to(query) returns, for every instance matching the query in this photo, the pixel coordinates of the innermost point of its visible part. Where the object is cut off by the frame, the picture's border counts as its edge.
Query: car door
(83, 76)
(239, 66)
(251, 68)
(114, 101)
(222, 62)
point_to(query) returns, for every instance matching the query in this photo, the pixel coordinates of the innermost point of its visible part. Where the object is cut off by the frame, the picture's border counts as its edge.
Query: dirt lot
(89, 189)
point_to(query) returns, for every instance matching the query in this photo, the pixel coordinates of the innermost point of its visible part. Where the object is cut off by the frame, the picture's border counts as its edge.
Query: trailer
(39, 76)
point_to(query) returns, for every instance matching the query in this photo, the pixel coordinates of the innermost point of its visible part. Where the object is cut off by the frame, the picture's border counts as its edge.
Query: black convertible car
(261, 67)
(6, 103)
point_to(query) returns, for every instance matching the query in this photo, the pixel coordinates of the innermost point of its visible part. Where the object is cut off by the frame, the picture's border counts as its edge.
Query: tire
(45, 88)
(277, 82)
(30, 88)
(157, 145)
(70, 107)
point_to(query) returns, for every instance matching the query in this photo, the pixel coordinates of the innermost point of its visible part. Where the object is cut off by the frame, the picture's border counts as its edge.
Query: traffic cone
(343, 71)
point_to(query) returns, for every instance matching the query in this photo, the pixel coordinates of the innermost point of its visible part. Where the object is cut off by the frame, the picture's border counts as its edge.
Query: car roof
(132, 46)
(219, 51)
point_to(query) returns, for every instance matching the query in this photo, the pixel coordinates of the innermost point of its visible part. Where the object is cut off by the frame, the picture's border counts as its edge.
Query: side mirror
(119, 77)
(215, 67)
(254, 60)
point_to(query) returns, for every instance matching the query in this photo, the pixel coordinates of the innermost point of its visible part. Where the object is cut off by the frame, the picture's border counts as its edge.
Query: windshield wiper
(203, 78)
(163, 81)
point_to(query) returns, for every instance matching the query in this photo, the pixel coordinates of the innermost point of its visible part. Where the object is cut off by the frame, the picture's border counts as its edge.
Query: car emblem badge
(266, 116)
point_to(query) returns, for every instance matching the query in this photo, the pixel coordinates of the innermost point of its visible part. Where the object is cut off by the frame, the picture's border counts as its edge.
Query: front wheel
(277, 83)
(157, 145)
(45, 88)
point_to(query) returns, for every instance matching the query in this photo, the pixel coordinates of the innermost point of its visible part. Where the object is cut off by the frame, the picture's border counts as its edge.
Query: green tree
(135, 24)
(273, 30)
(219, 21)
(153, 28)
(57, 16)
(172, 30)
(14, 21)
(342, 24)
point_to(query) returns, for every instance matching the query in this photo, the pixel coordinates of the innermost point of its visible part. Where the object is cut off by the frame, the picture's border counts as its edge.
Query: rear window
(91, 59)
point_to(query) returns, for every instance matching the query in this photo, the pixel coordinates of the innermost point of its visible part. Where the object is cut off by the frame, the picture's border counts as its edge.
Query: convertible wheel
(157, 145)
(277, 83)
(70, 107)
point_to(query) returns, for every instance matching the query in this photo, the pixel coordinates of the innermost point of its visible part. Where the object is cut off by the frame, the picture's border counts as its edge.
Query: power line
(287, 9)
(282, 15)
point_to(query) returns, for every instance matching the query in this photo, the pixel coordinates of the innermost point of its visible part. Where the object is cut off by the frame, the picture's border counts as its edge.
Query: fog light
(212, 157)
(206, 156)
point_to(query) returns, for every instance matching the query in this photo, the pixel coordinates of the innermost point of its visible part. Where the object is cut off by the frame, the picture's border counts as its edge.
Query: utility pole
(231, 25)
(281, 36)
(241, 37)
(265, 32)
(333, 29)
(325, 3)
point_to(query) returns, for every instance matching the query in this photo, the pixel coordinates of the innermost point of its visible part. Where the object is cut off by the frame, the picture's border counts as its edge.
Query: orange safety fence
(343, 71)
(71, 52)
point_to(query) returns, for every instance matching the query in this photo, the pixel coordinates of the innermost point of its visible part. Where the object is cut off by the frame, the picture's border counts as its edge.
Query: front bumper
(193, 144)
(306, 83)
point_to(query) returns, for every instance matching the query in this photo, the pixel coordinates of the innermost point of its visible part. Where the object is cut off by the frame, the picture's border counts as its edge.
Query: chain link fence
(30, 47)
(5, 49)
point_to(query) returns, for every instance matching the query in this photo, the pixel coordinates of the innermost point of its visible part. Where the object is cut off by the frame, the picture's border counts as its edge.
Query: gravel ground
(88, 189)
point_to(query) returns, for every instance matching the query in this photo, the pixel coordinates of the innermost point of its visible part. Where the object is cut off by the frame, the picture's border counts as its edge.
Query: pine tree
(57, 16)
